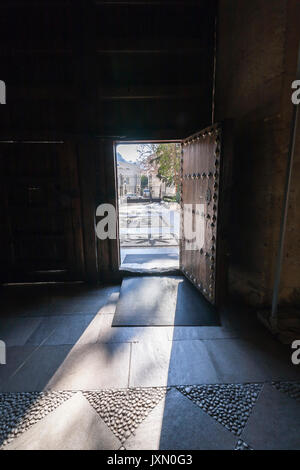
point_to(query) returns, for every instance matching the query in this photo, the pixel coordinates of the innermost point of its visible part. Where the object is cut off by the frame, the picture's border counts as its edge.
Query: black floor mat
(162, 301)
(146, 258)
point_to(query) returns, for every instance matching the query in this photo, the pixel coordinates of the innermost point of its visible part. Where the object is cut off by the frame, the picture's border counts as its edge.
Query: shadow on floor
(62, 339)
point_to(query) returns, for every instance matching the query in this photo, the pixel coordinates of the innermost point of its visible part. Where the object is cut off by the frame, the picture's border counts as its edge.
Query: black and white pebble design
(19, 411)
(292, 389)
(229, 404)
(124, 410)
(241, 445)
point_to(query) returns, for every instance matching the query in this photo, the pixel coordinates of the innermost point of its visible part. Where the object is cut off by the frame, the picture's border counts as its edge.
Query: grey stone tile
(15, 331)
(274, 423)
(72, 426)
(110, 306)
(63, 299)
(131, 334)
(92, 367)
(241, 360)
(177, 424)
(81, 291)
(71, 306)
(183, 333)
(170, 363)
(91, 332)
(24, 300)
(80, 301)
(15, 357)
(37, 370)
(62, 329)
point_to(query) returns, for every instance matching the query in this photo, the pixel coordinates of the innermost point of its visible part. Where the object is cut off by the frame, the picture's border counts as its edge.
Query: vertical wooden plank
(75, 207)
(65, 197)
(87, 153)
(113, 200)
(6, 236)
(101, 198)
(108, 250)
(43, 214)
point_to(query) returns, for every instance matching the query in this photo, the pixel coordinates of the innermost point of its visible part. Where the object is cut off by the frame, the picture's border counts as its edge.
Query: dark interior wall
(78, 70)
(88, 72)
(256, 63)
(290, 278)
(130, 69)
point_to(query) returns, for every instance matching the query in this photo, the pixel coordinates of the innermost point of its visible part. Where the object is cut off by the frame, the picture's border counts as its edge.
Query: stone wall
(256, 63)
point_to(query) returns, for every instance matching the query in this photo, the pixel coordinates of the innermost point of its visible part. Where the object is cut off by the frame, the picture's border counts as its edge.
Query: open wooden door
(205, 192)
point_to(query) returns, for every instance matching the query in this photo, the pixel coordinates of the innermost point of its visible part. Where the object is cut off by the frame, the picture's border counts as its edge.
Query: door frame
(225, 185)
(131, 142)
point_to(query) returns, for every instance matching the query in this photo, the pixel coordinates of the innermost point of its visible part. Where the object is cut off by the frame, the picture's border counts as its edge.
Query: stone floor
(72, 381)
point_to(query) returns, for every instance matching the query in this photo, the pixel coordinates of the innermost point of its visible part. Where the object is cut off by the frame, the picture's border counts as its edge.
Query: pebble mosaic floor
(229, 404)
(19, 411)
(292, 389)
(124, 410)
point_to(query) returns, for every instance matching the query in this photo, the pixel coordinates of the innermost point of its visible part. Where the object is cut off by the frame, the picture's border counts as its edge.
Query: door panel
(202, 248)
(40, 217)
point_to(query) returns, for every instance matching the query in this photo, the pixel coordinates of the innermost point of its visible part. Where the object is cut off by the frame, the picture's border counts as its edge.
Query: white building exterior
(129, 178)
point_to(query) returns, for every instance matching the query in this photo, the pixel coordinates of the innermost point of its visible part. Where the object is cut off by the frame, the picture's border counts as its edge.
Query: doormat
(163, 301)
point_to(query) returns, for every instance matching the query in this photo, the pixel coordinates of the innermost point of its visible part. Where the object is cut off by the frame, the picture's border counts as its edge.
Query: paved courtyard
(72, 381)
(149, 236)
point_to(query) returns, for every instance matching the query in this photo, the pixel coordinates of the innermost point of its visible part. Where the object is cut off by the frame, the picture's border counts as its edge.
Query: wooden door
(41, 234)
(205, 191)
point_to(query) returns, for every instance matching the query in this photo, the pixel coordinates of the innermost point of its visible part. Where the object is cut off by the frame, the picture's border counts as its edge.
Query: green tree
(164, 159)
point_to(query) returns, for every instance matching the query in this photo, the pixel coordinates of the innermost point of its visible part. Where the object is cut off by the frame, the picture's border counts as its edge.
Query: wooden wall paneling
(108, 250)
(7, 255)
(88, 150)
(41, 212)
(113, 199)
(27, 171)
(102, 189)
(71, 196)
(65, 195)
